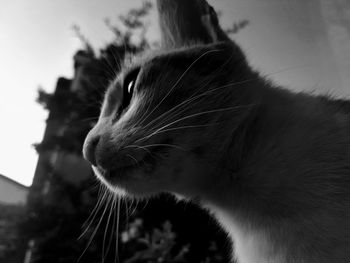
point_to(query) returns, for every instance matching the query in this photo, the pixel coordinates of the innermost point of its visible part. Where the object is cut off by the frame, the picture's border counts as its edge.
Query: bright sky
(285, 39)
(37, 44)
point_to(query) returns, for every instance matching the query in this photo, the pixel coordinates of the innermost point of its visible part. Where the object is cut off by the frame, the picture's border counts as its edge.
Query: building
(12, 192)
(71, 167)
(13, 199)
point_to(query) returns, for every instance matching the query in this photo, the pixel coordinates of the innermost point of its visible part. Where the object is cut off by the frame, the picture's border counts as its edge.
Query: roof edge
(13, 181)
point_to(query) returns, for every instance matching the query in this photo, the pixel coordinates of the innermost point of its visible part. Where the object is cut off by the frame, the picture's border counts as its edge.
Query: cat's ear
(186, 22)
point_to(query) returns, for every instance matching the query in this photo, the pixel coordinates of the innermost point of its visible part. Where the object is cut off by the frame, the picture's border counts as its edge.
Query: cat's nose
(89, 149)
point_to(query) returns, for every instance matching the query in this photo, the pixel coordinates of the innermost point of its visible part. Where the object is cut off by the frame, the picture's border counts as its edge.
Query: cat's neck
(284, 189)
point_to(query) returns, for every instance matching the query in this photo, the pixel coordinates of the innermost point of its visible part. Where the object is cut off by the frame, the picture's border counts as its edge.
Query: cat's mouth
(121, 172)
(132, 166)
(145, 164)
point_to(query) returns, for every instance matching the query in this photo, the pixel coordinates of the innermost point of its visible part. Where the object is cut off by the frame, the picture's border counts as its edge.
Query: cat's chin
(131, 183)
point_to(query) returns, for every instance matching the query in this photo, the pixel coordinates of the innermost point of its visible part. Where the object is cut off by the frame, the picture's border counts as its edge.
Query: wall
(11, 192)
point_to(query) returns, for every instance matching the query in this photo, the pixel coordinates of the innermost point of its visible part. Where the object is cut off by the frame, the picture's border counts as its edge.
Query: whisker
(115, 197)
(165, 144)
(105, 232)
(117, 234)
(142, 117)
(187, 127)
(129, 155)
(116, 60)
(99, 199)
(95, 231)
(188, 101)
(126, 213)
(192, 98)
(113, 72)
(142, 148)
(136, 207)
(138, 147)
(165, 114)
(93, 214)
(179, 79)
(195, 115)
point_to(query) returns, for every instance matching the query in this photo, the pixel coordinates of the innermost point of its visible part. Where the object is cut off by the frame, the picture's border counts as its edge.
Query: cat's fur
(273, 166)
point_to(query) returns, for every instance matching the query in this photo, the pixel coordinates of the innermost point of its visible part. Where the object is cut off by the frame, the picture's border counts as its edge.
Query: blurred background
(56, 59)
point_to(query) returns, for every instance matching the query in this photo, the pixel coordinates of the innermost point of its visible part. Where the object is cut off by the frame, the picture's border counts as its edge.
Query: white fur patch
(250, 246)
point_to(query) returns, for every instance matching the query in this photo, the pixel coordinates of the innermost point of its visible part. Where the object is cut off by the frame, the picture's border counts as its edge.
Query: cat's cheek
(191, 178)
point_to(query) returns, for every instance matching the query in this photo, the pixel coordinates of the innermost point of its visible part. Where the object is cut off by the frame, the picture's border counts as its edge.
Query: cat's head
(167, 120)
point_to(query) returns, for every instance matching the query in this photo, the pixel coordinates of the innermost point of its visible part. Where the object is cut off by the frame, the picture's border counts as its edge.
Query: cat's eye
(129, 87)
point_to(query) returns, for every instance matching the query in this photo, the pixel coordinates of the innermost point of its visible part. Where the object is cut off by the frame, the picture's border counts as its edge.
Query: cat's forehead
(163, 57)
(156, 65)
(145, 58)
(142, 61)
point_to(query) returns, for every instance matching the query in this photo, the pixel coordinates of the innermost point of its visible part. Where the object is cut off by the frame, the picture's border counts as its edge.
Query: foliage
(237, 26)
(10, 240)
(164, 230)
(157, 245)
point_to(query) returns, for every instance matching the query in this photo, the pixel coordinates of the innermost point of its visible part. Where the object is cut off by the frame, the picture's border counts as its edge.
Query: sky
(37, 44)
(302, 45)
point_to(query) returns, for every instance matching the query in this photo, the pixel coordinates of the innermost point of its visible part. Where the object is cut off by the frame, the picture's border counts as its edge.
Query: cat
(197, 121)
